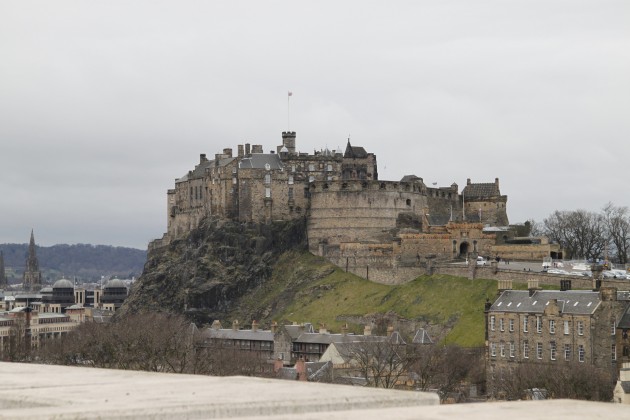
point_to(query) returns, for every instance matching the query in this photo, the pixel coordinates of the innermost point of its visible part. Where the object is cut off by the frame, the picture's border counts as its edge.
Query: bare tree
(382, 363)
(581, 233)
(617, 220)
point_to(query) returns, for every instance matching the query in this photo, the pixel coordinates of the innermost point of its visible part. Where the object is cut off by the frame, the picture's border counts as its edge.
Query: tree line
(589, 235)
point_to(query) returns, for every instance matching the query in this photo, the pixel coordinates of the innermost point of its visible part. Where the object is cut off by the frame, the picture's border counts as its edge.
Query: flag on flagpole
(290, 93)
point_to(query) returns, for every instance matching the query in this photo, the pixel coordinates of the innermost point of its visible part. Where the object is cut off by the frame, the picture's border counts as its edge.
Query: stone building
(388, 230)
(552, 327)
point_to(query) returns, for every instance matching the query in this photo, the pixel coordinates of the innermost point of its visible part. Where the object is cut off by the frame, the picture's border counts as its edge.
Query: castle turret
(288, 141)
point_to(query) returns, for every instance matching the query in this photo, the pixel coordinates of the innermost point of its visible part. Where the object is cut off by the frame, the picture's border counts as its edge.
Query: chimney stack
(322, 329)
(235, 325)
(344, 329)
(254, 326)
(274, 327)
(216, 325)
(240, 151)
(202, 158)
(367, 330)
(247, 149)
(532, 286)
(390, 330)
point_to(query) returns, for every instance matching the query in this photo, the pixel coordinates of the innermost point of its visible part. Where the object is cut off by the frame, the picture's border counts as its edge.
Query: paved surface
(45, 392)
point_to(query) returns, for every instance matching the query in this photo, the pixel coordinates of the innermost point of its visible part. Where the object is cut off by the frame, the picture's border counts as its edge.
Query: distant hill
(84, 261)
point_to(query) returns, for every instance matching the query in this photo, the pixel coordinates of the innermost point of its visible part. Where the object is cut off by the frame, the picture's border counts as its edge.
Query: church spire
(32, 279)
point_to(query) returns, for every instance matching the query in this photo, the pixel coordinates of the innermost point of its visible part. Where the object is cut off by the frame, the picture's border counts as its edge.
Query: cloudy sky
(104, 103)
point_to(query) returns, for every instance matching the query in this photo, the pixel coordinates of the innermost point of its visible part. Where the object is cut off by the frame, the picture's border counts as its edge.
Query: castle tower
(32, 279)
(3, 276)
(288, 141)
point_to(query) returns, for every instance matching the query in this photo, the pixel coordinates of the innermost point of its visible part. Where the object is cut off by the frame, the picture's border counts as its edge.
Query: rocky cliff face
(206, 274)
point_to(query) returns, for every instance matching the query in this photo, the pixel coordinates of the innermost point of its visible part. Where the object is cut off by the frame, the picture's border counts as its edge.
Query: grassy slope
(306, 288)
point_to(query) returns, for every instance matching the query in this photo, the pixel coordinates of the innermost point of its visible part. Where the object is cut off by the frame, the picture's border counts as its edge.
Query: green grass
(455, 302)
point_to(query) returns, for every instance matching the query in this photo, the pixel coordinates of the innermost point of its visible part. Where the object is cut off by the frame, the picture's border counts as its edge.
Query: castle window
(311, 167)
(612, 327)
(511, 325)
(290, 179)
(512, 349)
(552, 350)
(538, 325)
(307, 194)
(581, 353)
(492, 323)
(267, 179)
(501, 325)
(292, 168)
(567, 352)
(580, 327)
(525, 350)
(502, 349)
(525, 323)
(290, 193)
(613, 350)
(329, 168)
(552, 326)
(539, 350)
(311, 178)
(267, 192)
(566, 327)
(408, 202)
(493, 349)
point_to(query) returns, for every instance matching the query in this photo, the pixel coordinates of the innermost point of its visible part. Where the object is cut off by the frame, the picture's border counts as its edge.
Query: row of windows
(504, 348)
(538, 325)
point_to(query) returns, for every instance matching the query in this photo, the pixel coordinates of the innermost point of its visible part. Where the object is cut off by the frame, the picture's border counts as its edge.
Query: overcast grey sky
(104, 103)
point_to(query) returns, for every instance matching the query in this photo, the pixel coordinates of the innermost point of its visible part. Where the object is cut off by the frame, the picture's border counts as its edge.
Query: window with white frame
(538, 324)
(493, 349)
(552, 350)
(525, 322)
(580, 327)
(566, 327)
(267, 179)
(502, 349)
(525, 350)
(290, 179)
(311, 167)
(539, 350)
(511, 325)
(501, 325)
(612, 327)
(581, 354)
(512, 349)
(492, 323)
(552, 326)
(267, 192)
(567, 352)
(613, 350)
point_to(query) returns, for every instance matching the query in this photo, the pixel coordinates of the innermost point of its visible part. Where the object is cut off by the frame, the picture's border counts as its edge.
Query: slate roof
(200, 169)
(259, 160)
(295, 330)
(356, 152)
(481, 190)
(422, 337)
(317, 338)
(230, 334)
(624, 322)
(576, 302)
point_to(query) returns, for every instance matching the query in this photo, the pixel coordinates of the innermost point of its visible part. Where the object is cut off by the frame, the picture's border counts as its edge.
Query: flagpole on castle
(288, 110)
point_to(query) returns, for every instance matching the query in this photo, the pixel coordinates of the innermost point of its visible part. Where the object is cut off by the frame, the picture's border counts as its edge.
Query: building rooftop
(582, 302)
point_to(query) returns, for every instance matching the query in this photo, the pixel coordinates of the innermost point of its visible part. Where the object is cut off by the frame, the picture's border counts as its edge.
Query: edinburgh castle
(381, 230)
